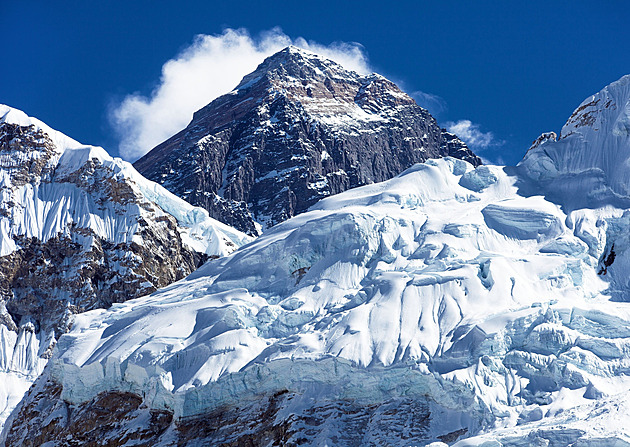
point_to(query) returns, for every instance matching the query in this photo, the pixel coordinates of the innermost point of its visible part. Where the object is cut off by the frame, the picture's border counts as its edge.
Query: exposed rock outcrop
(80, 231)
(297, 129)
(279, 419)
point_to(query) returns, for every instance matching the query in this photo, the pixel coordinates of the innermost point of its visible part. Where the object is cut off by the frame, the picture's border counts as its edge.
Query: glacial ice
(491, 292)
(408, 275)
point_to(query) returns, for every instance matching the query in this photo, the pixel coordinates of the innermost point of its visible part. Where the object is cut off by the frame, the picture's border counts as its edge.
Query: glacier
(496, 296)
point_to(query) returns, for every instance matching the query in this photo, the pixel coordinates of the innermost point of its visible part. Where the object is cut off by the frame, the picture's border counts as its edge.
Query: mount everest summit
(454, 304)
(297, 129)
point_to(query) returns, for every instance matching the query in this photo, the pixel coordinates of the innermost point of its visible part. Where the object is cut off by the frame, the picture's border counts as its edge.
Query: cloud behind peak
(210, 67)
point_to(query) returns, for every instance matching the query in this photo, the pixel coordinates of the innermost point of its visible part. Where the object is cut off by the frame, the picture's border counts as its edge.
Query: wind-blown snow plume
(213, 65)
(472, 135)
(436, 105)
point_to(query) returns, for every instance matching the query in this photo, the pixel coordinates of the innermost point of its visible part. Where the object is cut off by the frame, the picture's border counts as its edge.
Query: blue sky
(511, 70)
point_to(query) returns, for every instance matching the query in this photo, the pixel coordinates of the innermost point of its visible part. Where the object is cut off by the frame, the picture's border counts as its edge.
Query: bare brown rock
(280, 419)
(109, 420)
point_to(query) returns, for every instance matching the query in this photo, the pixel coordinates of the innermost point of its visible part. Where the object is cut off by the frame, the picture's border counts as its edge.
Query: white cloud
(435, 104)
(470, 133)
(213, 65)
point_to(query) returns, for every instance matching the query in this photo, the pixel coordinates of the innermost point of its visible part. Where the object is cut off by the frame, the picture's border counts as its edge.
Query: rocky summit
(296, 130)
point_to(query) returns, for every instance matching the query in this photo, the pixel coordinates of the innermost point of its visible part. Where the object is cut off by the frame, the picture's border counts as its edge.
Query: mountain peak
(13, 116)
(293, 64)
(323, 87)
(607, 111)
(296, 55)
(593, 149)
(293, 50)
(299, 128)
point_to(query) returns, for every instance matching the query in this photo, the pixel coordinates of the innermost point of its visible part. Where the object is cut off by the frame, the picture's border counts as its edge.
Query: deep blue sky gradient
(516, 69)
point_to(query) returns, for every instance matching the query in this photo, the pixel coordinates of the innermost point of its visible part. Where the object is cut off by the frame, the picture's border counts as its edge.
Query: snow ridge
(74, 227)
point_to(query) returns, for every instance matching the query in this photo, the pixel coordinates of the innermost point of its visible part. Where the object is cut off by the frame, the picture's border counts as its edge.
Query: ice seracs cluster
(443, 284)
(453, 304)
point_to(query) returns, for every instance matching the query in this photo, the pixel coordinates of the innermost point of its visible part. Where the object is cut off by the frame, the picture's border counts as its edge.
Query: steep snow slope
(79, 230)
(442, 285)
(66, 157)
(483, 306)
(588, 164)
(589, 167)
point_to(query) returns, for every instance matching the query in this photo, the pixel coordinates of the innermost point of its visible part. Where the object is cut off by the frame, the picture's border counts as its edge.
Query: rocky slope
(297, 129)
(79, 231)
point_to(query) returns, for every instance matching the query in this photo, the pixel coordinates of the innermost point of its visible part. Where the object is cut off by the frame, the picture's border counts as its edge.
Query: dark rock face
(280, 419)
(297, 129)
(90, 277)
(25, 154)
(48, 278)
(105, 420)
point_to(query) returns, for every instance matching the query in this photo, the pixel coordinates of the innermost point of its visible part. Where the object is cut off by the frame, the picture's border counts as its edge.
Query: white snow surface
(20, 364)
(588, 164)
(47, 208)
(415, 286)
(483, 290)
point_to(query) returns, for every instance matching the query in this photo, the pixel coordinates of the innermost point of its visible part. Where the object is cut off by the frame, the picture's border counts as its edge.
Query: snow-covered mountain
(590, 157)
(81, 230)
(297, 129)
(452, 304)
